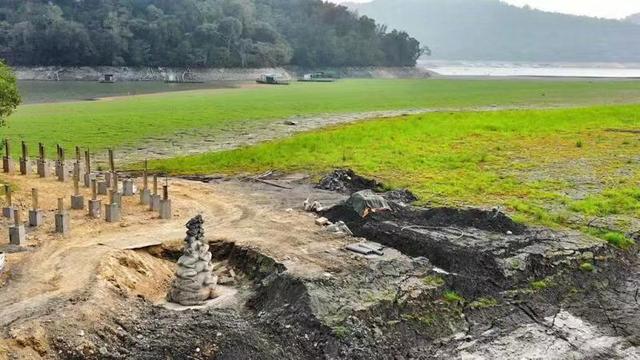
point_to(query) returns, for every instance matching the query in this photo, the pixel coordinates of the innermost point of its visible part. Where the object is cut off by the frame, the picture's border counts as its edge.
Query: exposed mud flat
(450, 284)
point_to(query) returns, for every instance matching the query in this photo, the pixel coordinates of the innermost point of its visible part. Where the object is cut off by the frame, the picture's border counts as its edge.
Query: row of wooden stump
(101, 183)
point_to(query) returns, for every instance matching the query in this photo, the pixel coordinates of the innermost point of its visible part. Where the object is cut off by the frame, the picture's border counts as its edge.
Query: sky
(614, 9)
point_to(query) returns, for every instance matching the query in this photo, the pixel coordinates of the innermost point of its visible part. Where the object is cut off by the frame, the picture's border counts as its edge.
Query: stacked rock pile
(194, 282)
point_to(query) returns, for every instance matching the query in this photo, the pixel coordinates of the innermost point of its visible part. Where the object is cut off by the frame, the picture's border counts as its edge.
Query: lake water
(55, 91)
(503, 69)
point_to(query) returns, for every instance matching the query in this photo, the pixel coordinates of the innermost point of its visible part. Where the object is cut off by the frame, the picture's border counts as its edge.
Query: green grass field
(555, 167)
(128, 121)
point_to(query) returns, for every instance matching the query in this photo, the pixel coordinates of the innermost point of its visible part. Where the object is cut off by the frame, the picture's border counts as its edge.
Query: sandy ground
(53, 269)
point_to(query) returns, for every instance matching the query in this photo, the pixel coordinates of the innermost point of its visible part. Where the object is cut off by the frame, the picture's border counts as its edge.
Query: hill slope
(204, 33)
(635, 18)
(492, 30)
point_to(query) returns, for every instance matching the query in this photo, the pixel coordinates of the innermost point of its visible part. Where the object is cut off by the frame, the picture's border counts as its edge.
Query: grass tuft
(483, 303)
(587, 267)
(433, 281)
(541, 284)
(452, 297)
(618, 240)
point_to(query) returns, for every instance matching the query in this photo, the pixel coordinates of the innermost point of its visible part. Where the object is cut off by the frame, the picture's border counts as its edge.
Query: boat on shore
(317, 77)
(175, 81)
(270, 79)
(108, 79)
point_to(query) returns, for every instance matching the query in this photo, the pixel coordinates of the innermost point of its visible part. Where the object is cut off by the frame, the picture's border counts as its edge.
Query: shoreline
(87, 73)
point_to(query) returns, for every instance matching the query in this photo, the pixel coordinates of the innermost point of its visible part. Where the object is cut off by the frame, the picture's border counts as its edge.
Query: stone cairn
(194, 282)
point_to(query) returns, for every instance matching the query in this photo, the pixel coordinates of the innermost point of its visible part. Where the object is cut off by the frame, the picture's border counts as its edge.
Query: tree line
(196, 33)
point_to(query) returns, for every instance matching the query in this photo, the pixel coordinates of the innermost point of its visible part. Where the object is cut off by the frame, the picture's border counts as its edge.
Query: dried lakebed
(251, 132)
(451, 283)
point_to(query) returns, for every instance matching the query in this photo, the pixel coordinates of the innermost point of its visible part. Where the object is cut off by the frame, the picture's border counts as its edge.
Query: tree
(9, 95)
(195, 33)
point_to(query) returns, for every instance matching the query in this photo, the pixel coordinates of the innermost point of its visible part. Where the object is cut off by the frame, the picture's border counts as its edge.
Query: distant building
(108, 78)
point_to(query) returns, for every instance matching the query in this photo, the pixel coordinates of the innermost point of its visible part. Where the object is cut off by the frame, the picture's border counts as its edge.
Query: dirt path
(54, 270)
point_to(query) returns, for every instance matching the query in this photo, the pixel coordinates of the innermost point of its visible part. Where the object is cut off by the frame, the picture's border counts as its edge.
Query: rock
(194, 282)
(322, 221)
(226, 280)
(339, 228)
(312, 207)
(347, 181)
(290, 122)
(366, 201)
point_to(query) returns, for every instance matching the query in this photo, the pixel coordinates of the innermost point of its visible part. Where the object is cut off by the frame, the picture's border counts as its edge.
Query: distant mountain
(493, 30)
(635, 18)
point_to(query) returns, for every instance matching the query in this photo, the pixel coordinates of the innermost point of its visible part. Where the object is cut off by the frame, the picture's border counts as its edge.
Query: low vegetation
(128, 121)
(483, 303)
(453, 297)
(525, 161)
(433, 281)
(587, 267)
(541, 284)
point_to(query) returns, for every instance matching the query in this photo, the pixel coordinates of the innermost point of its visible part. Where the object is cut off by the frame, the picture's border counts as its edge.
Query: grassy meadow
(128, 121)
(560, 167)
(575, 165)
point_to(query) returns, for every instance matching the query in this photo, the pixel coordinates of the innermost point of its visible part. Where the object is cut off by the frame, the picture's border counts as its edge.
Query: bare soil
(98, 293)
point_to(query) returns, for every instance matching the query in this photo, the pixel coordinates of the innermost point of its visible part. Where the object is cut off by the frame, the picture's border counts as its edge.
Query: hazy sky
(599, 8)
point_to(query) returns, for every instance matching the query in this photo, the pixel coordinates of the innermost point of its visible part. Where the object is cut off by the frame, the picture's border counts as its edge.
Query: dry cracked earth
(449, 283)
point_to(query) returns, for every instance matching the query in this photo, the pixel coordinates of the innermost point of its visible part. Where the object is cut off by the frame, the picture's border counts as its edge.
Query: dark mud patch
(346, 181)
(486, 247)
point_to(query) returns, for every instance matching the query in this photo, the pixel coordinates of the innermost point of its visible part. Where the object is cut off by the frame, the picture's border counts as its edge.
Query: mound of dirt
(346, 181)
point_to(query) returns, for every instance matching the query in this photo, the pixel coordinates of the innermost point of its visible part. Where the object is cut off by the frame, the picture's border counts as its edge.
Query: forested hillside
(493, 30)
(198, 33)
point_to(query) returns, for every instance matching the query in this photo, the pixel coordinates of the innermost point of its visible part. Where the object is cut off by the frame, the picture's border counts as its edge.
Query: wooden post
(145, 175)
(112, 164)
(76, 178)
(87, 161)
(7, 193)
(115, 182)
(94, 189)
(155, 184)
(34, 198)
(25, 151)
(60, 205)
